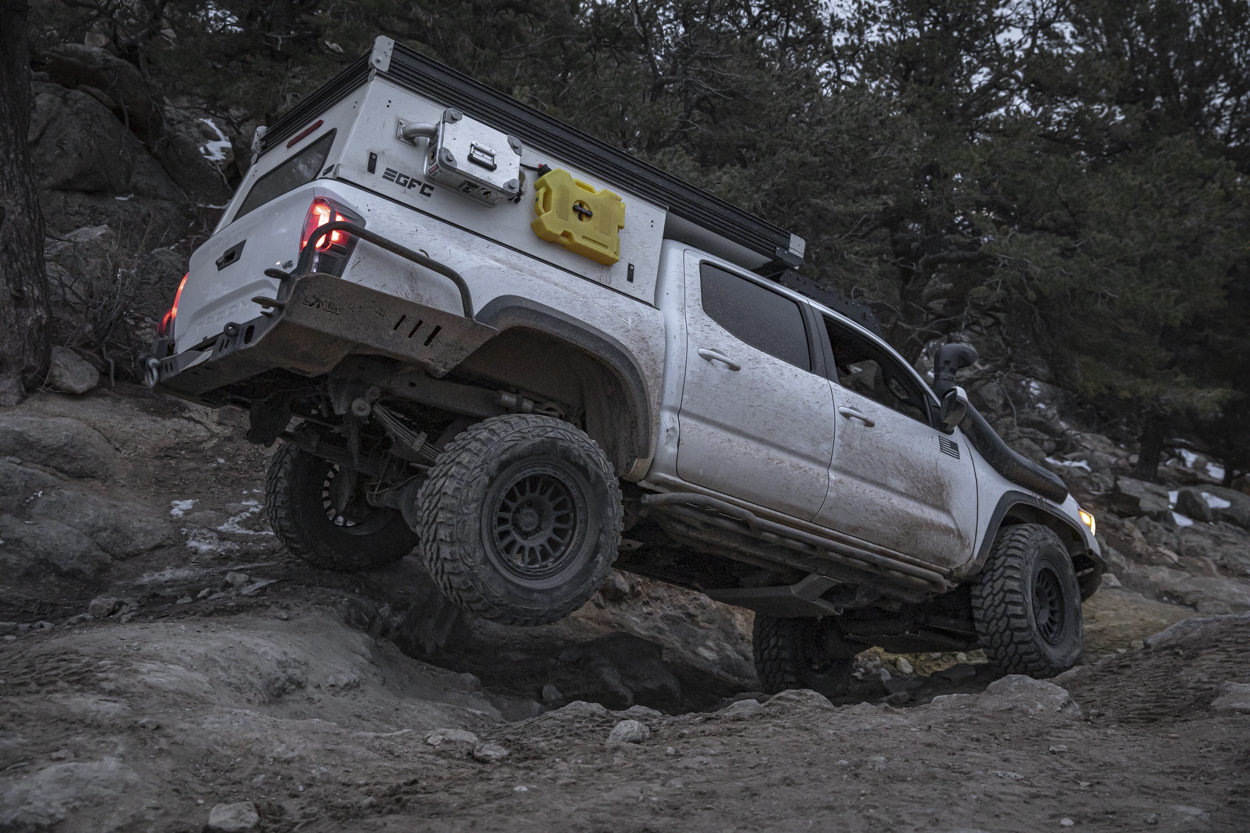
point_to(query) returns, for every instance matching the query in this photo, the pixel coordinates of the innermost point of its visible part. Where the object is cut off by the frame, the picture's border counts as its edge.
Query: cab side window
(868, 370)
(762, 318)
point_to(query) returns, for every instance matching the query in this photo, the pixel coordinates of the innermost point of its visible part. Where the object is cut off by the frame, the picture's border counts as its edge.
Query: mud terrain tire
(1027, 603)
(520, 519)
(296, 490)
(791, 653)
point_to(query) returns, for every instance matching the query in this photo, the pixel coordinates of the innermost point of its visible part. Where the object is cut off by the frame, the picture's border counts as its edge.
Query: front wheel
(301, 502)
(800, 653)
(520, 519)
(1027, 603)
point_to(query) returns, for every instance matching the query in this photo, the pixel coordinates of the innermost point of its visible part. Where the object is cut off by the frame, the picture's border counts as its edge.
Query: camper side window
(300, 169)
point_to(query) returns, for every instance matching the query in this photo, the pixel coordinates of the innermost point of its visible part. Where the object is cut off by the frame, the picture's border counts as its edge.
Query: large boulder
(64, 445)
(78, 145)
(1223, 543)
(90, 169)
(1134, 497)
(70, 373)
(1213, 503)
(60, 792)
(1192, 503)
(1206, 594)
(192, 152)
(35, 548)
(1226, 545)
(118, 529)
(1237, 510)
(1196, 632)
(20, 484)
(114, 82)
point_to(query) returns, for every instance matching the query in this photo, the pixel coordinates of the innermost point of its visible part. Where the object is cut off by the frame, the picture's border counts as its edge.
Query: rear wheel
(799, 653)
(520, 519)
(303, 494)
(1027, 603)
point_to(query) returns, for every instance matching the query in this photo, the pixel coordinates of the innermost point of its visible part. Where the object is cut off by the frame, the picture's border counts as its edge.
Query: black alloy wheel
(520, 519)
(535, 518)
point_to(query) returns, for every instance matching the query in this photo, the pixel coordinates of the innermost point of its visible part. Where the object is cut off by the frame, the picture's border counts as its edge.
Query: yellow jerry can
(578, 217)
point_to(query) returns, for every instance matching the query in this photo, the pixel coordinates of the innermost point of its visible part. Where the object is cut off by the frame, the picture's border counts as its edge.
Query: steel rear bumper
(315, 322)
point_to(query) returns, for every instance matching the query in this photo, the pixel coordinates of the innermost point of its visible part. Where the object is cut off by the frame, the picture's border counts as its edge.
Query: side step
(823, 556)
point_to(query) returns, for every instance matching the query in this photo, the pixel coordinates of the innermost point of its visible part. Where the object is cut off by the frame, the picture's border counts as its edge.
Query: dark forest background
(1062, 184)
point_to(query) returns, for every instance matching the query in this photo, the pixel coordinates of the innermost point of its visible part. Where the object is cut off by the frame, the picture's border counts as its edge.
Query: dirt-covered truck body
(485, 335)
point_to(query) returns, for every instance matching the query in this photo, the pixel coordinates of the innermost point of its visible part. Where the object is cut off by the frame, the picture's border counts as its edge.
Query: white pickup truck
(486, 336)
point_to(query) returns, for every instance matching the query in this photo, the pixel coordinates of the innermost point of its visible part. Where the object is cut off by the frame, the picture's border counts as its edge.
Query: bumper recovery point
(315, 323)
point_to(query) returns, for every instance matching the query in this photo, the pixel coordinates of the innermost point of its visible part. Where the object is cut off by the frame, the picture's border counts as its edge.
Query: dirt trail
(212, 669)
(146, 726)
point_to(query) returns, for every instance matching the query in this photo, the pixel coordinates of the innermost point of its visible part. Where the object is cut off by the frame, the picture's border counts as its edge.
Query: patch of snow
(1189, 457)
(206, 541)
(168, 574)
(1215, 472)
(126, 198)
(1172, 496)
(1072, 464)
(233, 527)
(1035, 388)
(1216, 502)
(1181, 520)
(181, 507)
(219, 149)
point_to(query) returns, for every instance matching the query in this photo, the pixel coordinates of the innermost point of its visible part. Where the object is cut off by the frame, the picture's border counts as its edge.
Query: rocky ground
(162, 657)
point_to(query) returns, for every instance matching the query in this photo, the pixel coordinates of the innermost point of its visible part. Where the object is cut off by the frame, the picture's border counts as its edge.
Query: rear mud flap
(320, 321)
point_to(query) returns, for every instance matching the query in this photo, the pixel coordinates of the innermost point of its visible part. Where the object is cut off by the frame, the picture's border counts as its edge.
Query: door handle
(713, 356)
(851, 413)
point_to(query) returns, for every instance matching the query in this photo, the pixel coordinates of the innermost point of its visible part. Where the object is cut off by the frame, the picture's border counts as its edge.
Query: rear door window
(762, 318)
(300, 169)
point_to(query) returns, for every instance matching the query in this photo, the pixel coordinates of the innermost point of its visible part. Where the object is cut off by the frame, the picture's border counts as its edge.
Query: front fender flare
(1022, 507)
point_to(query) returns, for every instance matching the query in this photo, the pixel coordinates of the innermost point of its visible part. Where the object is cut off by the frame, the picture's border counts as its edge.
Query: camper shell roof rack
(413, 71)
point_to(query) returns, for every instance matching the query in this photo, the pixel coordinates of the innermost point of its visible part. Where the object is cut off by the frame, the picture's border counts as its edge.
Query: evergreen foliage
(1062, 182)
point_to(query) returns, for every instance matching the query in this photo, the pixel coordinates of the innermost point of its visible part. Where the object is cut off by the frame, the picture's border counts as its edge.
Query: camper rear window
(294, 172)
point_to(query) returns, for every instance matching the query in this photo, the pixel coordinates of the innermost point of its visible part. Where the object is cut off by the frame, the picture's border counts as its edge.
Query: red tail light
(319, 213)
(333, 249)
(166, 327)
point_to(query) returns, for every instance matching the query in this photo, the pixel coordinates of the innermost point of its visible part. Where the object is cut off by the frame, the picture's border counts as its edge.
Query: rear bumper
(315, 322)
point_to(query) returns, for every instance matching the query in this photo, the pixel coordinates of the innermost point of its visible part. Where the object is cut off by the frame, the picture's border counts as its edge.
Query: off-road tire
(788, 656)
(300, 520)
(504, 461)
(1027, 603)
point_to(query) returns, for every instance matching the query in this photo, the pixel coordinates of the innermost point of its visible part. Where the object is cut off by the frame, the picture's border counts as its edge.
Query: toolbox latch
(482, 156)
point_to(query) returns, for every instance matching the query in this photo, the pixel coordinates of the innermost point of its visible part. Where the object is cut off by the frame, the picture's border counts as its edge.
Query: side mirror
(950, 359)
(954, 408)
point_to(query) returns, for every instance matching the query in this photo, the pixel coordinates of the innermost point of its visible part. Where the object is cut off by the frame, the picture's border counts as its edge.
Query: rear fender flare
(511, 311)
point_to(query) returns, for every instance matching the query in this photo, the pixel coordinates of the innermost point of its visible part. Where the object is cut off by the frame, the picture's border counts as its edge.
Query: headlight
(1089, 521)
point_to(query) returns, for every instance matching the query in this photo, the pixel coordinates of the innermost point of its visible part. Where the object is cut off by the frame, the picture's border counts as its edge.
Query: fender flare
(1088, 564)
(511, 311)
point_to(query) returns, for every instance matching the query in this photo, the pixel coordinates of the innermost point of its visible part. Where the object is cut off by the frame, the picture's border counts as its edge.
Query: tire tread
(1000, 608)
(443, 523)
